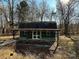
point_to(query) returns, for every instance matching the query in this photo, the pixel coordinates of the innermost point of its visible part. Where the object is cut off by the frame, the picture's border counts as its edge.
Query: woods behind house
(15, 11)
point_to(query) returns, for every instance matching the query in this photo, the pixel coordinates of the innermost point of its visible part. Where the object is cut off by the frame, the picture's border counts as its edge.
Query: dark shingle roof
(51, 25)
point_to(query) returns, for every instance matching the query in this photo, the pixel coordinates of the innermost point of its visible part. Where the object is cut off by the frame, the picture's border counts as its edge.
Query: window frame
(36, 35)
(47, 35)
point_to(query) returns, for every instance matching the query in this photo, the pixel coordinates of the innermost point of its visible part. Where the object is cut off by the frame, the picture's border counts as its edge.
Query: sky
(51, 3)
(64, 1)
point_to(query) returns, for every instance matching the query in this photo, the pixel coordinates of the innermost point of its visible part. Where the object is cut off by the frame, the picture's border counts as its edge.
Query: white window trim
(36, 36)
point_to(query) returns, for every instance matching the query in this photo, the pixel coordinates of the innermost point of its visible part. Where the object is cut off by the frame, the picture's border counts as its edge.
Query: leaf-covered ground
(66, 50)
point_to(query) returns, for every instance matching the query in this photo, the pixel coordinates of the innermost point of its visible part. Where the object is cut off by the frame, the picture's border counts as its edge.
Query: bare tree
(66, 13)
(43, 10)
(33, 10)
(10, 6)
(1, 17)
(11, 11)
(22, 11)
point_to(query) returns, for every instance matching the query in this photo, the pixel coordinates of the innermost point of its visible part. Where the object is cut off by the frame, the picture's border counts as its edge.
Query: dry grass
(7, 37)
(6, 54)
(64, 51)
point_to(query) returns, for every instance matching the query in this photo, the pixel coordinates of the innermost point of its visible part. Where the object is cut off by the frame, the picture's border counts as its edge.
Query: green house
(38, 33)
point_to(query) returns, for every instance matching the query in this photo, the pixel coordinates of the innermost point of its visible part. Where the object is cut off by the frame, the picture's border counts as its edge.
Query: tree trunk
(66, 27)
(66, 30)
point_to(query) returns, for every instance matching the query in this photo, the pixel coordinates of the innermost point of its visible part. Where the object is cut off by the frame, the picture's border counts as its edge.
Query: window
(23, 34)
(29, 35)
(48, 34)
(36, 34)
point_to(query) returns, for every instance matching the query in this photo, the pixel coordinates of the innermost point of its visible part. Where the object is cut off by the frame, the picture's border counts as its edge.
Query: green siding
(26, 34)
(44, 34)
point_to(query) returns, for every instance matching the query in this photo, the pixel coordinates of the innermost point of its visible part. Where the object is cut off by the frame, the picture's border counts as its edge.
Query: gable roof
(47, 25)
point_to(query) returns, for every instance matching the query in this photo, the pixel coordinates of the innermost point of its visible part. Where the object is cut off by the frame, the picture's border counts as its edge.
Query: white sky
(64, 1)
